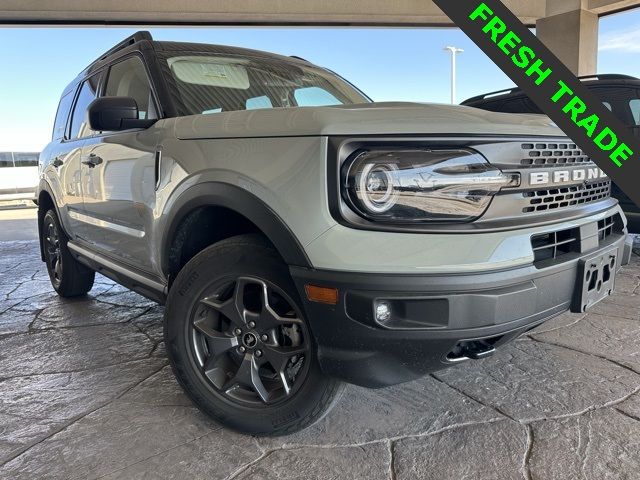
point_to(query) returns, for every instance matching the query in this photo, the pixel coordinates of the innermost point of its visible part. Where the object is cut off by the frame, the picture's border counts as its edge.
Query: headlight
(407, 186)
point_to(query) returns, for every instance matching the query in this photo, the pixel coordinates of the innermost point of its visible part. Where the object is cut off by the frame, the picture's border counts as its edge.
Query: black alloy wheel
(249, 341)
(52, 253)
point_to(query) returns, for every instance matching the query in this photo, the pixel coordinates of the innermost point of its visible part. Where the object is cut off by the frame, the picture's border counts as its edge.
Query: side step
(133, 280)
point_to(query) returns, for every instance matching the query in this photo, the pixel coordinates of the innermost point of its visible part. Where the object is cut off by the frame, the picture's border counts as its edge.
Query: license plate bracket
(596, 279)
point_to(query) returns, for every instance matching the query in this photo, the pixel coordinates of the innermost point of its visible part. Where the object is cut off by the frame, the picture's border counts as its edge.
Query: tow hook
(471, 350)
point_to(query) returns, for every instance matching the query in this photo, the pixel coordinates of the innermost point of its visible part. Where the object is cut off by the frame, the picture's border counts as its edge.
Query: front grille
(545, 154)
(553, 198)
(552, 246)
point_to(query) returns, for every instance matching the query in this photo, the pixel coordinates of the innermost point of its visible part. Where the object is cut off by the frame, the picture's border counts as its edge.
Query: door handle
(92, 160)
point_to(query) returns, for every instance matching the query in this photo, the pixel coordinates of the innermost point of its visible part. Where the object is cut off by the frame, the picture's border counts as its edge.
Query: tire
(262, 378)
(69, 277)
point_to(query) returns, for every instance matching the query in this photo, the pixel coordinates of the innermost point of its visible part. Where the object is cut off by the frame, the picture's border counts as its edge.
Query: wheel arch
(46, 201)
(241, 204)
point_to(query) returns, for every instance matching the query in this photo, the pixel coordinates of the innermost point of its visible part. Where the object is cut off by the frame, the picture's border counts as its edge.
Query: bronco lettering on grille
(566, 176)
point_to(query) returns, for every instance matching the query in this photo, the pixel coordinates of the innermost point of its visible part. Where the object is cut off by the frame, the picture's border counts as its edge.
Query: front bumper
(435, 318)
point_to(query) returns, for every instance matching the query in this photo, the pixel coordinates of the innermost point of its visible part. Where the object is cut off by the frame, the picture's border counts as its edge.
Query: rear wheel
(239, 343)
(68, 276)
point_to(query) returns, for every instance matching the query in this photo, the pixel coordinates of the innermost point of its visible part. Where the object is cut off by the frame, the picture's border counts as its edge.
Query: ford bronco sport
(302, 236)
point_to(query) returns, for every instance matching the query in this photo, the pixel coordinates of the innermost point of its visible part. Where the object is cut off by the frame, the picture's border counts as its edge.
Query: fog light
(383, 311)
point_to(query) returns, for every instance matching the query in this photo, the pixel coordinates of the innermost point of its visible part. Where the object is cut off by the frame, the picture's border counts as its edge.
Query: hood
(390, 118)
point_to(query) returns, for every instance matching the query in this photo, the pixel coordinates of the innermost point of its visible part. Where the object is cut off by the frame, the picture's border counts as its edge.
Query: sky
(406, 64)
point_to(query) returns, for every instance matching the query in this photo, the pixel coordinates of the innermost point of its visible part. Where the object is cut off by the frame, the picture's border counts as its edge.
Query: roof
(143, 39)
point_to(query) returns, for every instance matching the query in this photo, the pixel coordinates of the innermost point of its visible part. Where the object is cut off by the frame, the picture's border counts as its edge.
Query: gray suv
(302, 236)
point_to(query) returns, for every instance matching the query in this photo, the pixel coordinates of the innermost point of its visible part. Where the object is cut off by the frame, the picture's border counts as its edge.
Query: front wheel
(239, 343)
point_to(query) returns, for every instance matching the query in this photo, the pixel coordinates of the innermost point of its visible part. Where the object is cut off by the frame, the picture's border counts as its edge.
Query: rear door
(63, 170)
(119, 180)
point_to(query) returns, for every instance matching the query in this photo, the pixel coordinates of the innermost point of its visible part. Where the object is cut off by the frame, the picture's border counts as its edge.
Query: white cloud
(626, 42)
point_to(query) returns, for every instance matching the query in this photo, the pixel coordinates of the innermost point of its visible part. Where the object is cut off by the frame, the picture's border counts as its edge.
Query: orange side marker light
(322, 294)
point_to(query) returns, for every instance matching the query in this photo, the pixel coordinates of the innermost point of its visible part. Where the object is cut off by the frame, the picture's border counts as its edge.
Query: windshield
(208, 84)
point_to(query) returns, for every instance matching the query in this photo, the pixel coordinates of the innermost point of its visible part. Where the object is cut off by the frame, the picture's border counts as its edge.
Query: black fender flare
(43, 186)
(242, 202)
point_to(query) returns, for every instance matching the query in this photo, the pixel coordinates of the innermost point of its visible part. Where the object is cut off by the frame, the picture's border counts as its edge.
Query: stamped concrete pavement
(85, 392)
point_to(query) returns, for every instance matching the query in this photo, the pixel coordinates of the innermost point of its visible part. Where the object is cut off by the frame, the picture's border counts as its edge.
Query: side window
(79, 119)
(129, 79)
(6, 160)
(62, 115)
(314, 97)
(635, 110)
(608, 105)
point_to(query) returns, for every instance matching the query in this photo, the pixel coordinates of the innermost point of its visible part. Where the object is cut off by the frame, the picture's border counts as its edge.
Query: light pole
(454, 51)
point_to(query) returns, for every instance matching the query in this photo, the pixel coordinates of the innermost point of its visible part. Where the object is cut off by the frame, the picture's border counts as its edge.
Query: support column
(573, 37)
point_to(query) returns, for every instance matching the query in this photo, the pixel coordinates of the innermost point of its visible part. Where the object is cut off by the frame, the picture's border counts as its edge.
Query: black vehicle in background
(619, 93)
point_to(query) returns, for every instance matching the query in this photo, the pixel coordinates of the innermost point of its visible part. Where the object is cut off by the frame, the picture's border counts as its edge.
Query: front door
(119, 175)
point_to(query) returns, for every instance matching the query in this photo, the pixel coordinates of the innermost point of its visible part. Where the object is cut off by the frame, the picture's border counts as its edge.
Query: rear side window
(64, 107)
(6, 160)
(129, 79)
(79, 119)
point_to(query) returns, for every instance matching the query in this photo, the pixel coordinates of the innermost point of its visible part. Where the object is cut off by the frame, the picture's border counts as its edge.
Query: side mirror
(112, 114)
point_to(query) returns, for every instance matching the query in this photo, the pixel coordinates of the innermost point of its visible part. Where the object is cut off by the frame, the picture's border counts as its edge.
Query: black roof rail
(131, 40)
(607, 76)
(484, 96)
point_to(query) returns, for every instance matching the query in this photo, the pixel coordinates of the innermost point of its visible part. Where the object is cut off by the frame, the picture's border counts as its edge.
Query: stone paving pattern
(85, 392)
